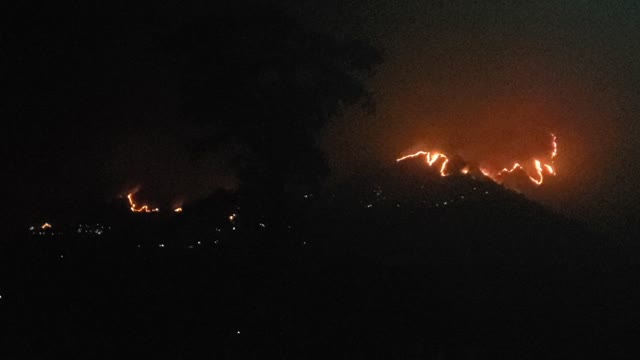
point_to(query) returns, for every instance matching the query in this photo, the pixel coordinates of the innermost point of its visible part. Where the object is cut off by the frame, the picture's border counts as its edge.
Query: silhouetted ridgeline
(409, 265)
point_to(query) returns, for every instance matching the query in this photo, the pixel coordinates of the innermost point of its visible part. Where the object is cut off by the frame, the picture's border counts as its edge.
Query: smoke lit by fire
(535, 173)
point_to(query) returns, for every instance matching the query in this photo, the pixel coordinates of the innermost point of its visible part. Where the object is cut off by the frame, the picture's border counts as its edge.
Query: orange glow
(45, 226)
(537, 178)
(539, 170)
(514, 167)
(178, 210)
(143, 208)
(412, 155)
(444, 166)
(434, 158)
(430, 159)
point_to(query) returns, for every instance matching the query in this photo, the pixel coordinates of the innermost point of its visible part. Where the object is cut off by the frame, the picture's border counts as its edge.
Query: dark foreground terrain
(354, 275)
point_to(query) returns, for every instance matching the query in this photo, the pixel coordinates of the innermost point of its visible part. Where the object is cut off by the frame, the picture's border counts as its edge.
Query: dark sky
(95, 113)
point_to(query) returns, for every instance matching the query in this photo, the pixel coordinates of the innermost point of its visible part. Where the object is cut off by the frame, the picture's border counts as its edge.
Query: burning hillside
(534, 169)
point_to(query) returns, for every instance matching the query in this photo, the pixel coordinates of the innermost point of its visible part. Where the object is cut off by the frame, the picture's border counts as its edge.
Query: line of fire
(535, 172)
(221, 220)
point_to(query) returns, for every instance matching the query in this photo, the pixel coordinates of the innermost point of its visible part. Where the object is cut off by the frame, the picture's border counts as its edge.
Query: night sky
(94, 104)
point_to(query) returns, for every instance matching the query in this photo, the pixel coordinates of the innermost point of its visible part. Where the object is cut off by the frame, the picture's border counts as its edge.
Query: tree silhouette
(263, 86)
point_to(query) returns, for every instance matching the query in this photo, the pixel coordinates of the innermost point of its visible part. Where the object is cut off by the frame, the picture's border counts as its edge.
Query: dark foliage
(264, 86)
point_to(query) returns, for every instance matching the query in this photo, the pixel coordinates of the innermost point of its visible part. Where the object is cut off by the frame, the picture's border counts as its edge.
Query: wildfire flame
(178, 210)
(537, 178)
(143, 208)
(431, 159)
(45, 226)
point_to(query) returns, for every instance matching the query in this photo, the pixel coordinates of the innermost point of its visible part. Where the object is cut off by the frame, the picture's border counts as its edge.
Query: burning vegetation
(534, 173)
(146, 208)
(143, 208)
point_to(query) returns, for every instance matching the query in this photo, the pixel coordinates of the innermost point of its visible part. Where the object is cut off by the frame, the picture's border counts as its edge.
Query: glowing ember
(45, 226)
(178, 210)
(536, 178)
(143, 208)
